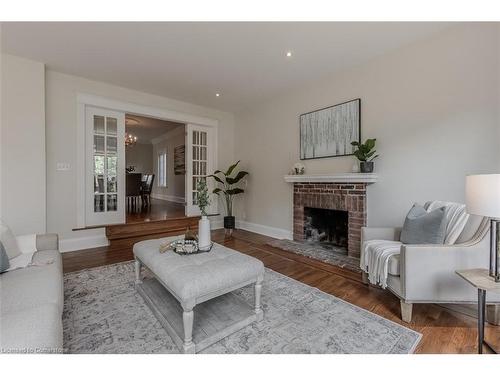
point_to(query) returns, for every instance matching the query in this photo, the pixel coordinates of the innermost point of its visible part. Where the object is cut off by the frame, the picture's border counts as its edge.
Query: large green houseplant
(366, 154)
(228, 189)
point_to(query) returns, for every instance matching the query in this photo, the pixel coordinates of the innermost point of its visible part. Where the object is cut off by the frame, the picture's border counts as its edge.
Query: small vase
(366, 166)
(204, 240)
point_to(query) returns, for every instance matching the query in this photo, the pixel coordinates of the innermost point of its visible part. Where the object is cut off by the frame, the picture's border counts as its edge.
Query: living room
(318, 187)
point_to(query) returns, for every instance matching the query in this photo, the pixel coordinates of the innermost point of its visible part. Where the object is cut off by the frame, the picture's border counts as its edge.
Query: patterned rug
(104, 314)
(328, 254)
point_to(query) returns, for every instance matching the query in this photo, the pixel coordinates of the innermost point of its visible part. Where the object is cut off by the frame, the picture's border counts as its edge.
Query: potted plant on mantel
(228, 182)
(203, 201)
(366, 154)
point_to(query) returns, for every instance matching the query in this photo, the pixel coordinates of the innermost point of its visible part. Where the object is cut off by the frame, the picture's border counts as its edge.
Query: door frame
(84, 100)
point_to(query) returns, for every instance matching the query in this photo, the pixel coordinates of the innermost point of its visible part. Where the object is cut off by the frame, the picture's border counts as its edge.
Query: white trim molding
(265, 230)
(137, 109)
(82, 243)
(169, 198)
(367, 178)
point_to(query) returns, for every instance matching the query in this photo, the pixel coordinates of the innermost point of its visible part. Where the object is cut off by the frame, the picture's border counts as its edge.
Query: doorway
(200, 159)
(155, 169)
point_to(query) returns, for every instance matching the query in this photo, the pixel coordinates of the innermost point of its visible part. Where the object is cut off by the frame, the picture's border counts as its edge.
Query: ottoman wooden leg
(187, 320)
(258, 310)
(137, 272)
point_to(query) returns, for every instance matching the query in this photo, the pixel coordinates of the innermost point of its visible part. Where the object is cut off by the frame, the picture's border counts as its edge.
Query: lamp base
(495, 249)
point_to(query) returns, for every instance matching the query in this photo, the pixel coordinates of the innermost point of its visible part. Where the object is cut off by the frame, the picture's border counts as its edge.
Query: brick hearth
(350, 197)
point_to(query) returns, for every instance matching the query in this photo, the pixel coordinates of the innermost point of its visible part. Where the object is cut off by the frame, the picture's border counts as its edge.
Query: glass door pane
(199, 160)
(105, 163)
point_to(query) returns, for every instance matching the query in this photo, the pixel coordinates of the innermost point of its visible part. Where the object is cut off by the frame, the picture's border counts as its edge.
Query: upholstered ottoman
(197, 288)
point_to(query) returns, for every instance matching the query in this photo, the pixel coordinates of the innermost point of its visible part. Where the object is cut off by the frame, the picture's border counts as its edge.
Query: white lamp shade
(482, 195)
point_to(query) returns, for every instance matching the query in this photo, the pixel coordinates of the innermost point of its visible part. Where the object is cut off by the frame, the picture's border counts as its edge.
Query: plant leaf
(216, 191)
(237, 178)
(234, 191)
(231, 168)
(216, 178)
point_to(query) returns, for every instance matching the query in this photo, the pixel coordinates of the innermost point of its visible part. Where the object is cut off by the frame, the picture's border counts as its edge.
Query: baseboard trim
(169, 198)
(82, 243)
(265, 230)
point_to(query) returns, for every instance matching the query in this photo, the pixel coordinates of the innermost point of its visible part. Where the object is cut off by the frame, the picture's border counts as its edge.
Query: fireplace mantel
(367, 178)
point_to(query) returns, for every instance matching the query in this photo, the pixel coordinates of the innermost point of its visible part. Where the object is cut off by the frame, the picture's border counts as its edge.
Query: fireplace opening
(329, 228)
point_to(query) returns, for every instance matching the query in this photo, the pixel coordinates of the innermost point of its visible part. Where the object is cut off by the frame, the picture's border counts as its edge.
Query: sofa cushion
(8, 240)
(422, 227)
(34, 330)
(34, 285)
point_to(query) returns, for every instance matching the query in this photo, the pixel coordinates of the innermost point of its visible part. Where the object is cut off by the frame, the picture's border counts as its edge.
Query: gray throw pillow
(422, 227)
(4, 259)
(9, 241)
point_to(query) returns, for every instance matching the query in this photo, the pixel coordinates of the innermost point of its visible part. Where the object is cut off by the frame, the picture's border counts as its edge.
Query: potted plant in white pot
(203, 201)
(228, 180)
(366, 154)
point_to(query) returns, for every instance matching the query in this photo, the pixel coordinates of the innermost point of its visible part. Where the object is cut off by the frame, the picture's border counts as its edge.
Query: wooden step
(126, 235)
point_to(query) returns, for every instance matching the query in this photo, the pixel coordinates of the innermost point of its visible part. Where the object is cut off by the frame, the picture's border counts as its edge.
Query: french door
(200, 160)
(105, 167)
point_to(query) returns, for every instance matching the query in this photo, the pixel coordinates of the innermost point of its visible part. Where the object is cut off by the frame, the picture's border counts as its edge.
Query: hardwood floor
(157, 210)
(444, 330)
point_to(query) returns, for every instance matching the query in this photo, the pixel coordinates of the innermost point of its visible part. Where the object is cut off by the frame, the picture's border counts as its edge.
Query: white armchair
(426, 273)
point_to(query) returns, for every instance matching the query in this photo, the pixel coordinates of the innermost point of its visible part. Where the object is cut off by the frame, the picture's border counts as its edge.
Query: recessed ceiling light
(289, 54)
(217, 94)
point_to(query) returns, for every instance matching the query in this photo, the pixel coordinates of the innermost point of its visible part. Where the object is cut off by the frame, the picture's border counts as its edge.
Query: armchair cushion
(422, 227)
(394, 266)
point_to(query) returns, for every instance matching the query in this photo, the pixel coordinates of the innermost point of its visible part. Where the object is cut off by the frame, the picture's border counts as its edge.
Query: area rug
(331, 254)
(104, 314)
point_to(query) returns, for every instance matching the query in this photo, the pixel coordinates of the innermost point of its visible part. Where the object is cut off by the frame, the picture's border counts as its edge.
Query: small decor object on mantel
(298, 168)
(203, 201)
(366, 154)
(229, 191)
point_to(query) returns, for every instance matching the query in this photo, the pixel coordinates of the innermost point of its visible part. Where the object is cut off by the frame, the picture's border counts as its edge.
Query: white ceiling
(147, 128)
(245, 62)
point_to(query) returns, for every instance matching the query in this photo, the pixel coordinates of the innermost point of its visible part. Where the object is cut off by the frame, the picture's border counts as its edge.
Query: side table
(482, 281)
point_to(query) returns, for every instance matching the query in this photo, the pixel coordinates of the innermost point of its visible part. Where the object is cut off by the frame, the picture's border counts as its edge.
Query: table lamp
(482, 196)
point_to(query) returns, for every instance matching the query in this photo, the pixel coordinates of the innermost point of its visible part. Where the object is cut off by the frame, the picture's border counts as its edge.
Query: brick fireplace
(339, 192)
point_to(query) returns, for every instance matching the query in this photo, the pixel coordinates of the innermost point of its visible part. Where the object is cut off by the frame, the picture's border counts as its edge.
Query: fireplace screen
(327, 227)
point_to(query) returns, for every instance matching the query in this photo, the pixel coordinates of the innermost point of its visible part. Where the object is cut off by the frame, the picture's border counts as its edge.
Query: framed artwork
(180, 159)
(328, 132)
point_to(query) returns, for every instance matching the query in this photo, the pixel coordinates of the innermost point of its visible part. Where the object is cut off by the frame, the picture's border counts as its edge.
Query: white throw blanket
(376, 254)
(375, 259)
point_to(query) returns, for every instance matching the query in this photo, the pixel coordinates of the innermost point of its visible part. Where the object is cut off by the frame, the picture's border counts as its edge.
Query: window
(162, 169)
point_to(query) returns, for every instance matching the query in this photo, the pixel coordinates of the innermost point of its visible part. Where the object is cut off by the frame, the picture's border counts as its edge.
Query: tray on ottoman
(191, 296)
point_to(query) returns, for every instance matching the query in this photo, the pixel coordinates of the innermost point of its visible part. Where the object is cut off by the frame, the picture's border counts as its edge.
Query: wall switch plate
(63, 166)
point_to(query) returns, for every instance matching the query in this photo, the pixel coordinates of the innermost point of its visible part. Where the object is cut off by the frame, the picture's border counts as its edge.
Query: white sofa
(31, 302)
(426, 273)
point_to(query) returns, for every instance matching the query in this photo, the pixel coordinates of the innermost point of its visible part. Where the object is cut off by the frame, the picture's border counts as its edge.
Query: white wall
(175, 189)
(61, 104)
(433, 107)
(23, 194)
(140, 156)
